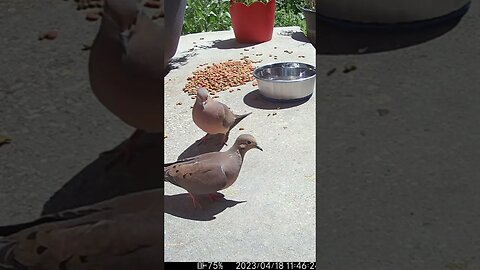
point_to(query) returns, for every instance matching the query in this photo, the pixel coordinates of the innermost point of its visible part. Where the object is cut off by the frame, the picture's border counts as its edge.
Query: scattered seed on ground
(220, 76)
(274, 114)
(86, 47)
(50, 35)
(383, 112)
(331, 71)
(241, 128)
(179, 103)
(349, 68)
(4, 140)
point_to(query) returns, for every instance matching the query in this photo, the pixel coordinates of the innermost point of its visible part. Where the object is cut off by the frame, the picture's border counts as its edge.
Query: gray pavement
(269, 213)
(46, 106)
(398, 188)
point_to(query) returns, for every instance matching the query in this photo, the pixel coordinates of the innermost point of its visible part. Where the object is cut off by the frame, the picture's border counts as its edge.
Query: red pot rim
(254, 3)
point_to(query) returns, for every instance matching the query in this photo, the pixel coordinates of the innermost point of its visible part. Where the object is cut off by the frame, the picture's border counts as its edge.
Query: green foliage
(309, 4)
(206, 15)
(286, 18)
(249, 2)
(214, 15)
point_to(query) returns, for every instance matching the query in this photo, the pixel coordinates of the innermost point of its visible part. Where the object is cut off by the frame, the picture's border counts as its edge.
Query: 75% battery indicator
(209, 266)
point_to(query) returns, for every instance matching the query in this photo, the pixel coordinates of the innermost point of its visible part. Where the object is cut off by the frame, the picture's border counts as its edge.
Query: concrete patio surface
(398, 154)
(58, 127)
(269, 213)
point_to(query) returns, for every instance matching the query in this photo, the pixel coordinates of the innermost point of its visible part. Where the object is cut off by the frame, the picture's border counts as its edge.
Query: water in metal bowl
(286, 81)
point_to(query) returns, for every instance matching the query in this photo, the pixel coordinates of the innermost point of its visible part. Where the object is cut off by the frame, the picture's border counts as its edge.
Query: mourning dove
(210, 172)
(122, 233)
(212, 116)
(126, 68)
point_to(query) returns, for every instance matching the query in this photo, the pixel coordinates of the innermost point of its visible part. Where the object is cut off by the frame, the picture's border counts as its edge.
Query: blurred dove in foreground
(210, 172)
(126, 68)
(123, 233)
(214, 117)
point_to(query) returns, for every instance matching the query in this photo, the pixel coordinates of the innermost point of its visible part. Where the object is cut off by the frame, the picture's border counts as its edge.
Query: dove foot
(224, 140)
(195, 202)
(123, 153)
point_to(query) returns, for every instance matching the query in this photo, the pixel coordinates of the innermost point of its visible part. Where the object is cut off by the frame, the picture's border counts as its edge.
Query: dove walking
(123, 233)
(214, 117)
(126, 68)
(210, 172)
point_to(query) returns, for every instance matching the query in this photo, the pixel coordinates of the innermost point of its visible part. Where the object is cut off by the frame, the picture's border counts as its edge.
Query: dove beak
(259, 148)
(124, 37)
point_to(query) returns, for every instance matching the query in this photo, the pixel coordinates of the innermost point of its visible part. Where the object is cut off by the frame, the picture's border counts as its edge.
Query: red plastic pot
(254, 23)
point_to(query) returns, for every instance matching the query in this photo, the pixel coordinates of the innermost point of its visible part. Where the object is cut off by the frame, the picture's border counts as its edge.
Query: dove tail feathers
(239, 118)
(6, 256)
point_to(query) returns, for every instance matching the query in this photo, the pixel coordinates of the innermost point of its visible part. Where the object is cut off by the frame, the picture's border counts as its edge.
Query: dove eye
(249, 142)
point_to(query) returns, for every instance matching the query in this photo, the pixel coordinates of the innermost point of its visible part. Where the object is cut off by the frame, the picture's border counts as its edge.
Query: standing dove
(212, 116)
(210, 172)
(126, 68)
(123, 233)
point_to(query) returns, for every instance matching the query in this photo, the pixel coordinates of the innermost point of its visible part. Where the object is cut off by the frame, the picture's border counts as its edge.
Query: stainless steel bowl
(286, 80)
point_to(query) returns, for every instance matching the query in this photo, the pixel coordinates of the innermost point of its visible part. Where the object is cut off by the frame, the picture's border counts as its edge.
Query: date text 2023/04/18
(243, 265)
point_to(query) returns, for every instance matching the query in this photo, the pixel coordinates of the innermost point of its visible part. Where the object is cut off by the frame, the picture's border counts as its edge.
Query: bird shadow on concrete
(94, 183)
(181, 205)
(256, 100)
(230, 44)
(212, 144)
(333, 39)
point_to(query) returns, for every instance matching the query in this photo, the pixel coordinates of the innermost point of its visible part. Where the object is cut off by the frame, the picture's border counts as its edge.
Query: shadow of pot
(174, 16)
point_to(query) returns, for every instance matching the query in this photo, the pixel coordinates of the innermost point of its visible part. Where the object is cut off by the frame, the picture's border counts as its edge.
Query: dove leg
(224, 139)
(195, 202)
(124, 151)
